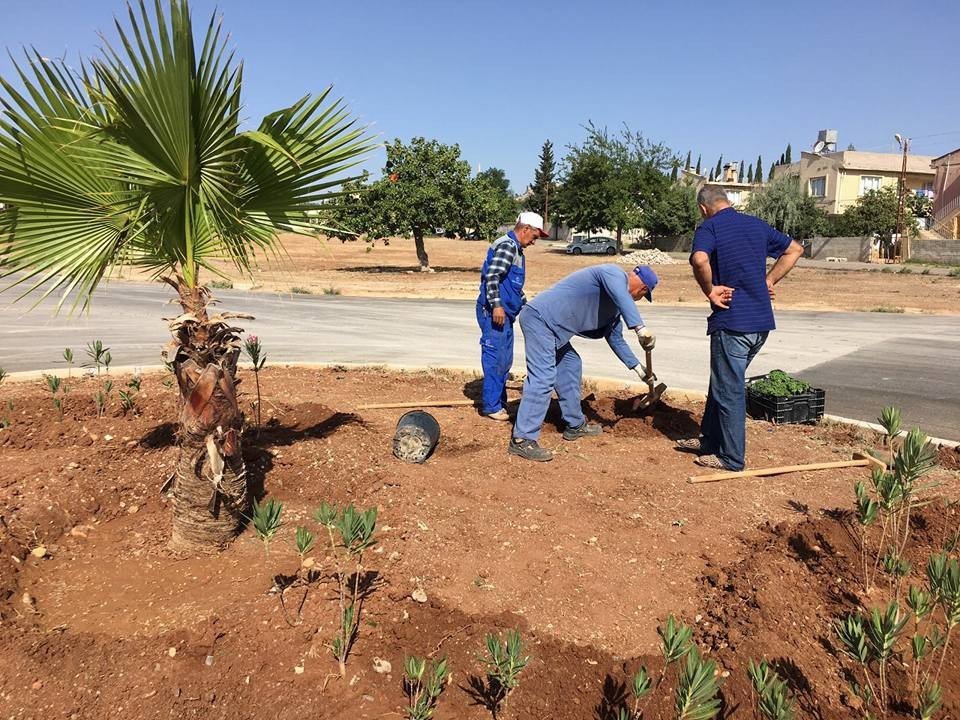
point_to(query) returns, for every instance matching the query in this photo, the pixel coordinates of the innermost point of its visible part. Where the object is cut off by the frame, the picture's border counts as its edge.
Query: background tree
(610, 181)
(781, 159)
(758, 174)
(921, 206)
(543, 192)
(674, 174)
(740, 176)
(718, 172)
(686, 165)
(787, 154)
(875, 213)
(750, 174)
(674, 213)
(786, 206)
(698, 165)
(488, 204)
(770, 174)
(141, 160)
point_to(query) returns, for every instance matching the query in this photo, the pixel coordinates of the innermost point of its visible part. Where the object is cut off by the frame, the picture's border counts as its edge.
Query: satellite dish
(819, 146)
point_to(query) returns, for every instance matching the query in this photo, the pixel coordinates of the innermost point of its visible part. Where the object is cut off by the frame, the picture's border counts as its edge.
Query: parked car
(599, 245)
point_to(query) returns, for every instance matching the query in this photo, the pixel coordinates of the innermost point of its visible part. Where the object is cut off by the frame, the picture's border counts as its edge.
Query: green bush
(779, 384)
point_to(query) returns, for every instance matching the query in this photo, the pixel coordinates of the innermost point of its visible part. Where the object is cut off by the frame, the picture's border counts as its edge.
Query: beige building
(837, 179)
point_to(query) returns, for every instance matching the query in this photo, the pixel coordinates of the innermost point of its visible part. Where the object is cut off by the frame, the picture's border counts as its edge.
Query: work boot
(585, 430)
(500, 415)
(529, 450)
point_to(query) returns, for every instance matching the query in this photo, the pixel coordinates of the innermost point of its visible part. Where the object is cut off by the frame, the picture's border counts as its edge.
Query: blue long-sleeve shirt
(590, 303)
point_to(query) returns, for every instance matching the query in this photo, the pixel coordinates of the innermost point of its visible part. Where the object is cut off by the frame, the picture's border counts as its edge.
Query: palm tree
(139, 158)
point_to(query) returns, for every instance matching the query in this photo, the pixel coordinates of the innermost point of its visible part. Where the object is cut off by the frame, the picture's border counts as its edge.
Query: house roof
(883, 162)
(946, 155)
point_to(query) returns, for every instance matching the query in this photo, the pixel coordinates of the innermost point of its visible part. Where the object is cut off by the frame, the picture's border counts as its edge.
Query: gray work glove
(646, 338)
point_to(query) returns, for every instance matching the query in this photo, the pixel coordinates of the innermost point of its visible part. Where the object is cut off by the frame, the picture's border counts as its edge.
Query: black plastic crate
(803, 408)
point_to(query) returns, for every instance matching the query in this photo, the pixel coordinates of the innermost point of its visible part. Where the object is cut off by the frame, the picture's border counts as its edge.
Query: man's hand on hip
(499, 317)
(773, 293)
(720, 295)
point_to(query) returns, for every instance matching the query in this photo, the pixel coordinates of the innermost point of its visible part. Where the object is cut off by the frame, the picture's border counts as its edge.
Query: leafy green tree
(698, 165)
(921, 206)
(874, 213)
(544, 188)
(488, 203)
(786, 206)
(141, 160)
(758, 175)
(425, 185)
(750, 174)
(611, 180)
(673, 213)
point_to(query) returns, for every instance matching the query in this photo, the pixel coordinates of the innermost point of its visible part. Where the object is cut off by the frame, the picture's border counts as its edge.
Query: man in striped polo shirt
(498, 304)
(729, 259)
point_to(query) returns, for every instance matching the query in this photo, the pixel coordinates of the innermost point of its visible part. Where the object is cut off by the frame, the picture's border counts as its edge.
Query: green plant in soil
(774, 700)
(254, 351)
(351, 533)
(929, 700)
(871, 640)
(128, 400)
(423, 683)
(505, 661)
(68, 359)
(697, 696)
(3, 374)
(777, 383)
(98, 355)
(266, 520)
(304, 540)
(891, 422)
(54, 386)
(639, 689)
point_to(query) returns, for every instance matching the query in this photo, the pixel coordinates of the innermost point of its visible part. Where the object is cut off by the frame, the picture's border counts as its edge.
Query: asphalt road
(862, 360)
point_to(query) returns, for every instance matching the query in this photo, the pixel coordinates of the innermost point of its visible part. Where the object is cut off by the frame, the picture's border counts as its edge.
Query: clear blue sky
(737, 78)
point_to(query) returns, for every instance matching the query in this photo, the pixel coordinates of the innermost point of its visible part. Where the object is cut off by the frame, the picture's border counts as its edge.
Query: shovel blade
(651, 398)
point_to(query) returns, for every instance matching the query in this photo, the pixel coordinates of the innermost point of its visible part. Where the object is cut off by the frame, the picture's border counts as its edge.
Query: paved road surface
(863, 360)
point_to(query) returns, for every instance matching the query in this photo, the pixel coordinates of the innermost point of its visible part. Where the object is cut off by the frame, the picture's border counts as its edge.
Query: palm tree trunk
(210, 495)
(421, 250)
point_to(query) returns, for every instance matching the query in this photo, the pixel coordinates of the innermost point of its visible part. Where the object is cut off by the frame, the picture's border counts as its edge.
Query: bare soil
(351, 269)
(586, 556)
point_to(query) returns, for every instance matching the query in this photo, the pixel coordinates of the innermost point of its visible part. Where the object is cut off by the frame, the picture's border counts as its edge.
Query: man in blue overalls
(500, 300)
(589, 303)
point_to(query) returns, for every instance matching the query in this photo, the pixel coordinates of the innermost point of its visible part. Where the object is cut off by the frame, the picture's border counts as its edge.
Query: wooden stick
(425, 403)
(860, 459)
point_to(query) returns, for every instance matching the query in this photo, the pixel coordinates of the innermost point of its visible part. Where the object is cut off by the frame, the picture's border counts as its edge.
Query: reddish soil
(586, 556)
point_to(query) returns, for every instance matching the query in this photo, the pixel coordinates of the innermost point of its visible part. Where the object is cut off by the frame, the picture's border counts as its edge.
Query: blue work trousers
(724, 425)
(496, 358)
(549, 368)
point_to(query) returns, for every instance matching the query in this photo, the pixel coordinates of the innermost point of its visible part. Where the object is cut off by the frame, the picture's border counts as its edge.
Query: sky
(499, 78)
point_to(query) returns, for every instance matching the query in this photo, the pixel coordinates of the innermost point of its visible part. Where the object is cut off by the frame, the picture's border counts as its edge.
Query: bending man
(500, 300)
(589, 303)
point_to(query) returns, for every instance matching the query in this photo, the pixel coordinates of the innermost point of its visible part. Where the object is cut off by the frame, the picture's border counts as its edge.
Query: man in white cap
(498, 304)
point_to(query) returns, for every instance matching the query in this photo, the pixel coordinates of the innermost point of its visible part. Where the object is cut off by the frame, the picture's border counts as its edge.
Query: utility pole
(904, 251)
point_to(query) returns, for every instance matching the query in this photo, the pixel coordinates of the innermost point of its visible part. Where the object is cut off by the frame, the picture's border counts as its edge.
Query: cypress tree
(758, 175)
(770, 174)
(740, 176)
(787, 154)
(750, 174)
(687, 166)
(698, 164)
(716, 173)
(676, 170)
(781, 159)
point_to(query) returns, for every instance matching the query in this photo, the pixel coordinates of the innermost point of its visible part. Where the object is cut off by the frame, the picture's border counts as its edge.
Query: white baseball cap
(533, 220)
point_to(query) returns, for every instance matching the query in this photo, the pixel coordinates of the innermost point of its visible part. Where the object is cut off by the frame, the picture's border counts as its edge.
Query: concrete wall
(852, 248)
(682, 243)
(942, 251)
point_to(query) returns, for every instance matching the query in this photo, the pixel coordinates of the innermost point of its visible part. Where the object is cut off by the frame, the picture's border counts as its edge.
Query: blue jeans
(549, 368)
(496, 358)
(724, 425)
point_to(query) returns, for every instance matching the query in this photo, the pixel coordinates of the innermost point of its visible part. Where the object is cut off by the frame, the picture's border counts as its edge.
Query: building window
(818, 187)
(868, 183)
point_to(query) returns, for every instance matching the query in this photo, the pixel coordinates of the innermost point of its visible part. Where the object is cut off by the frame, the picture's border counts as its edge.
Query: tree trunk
(210, 494)
(619, 241)
(421, 250)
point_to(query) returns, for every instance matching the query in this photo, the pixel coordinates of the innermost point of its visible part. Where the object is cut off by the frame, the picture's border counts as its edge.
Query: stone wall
(851, 248)
(941, 251)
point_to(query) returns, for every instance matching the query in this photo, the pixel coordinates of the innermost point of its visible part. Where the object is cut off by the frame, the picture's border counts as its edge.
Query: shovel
(654, 391)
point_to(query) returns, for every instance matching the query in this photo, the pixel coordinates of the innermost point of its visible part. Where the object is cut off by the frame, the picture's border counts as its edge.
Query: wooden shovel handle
(779, 470)
(425, 403)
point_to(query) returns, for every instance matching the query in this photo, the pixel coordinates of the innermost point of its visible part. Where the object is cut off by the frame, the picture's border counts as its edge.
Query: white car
(599, 245)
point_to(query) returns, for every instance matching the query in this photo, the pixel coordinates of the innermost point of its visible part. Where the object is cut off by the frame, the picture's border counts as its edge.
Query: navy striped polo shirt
(738, 246)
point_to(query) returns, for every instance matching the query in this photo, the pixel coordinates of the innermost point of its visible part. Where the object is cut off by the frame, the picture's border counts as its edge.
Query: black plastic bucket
(417, 435)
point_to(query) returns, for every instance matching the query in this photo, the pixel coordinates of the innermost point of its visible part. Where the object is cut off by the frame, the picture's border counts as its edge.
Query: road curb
(595, 382)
